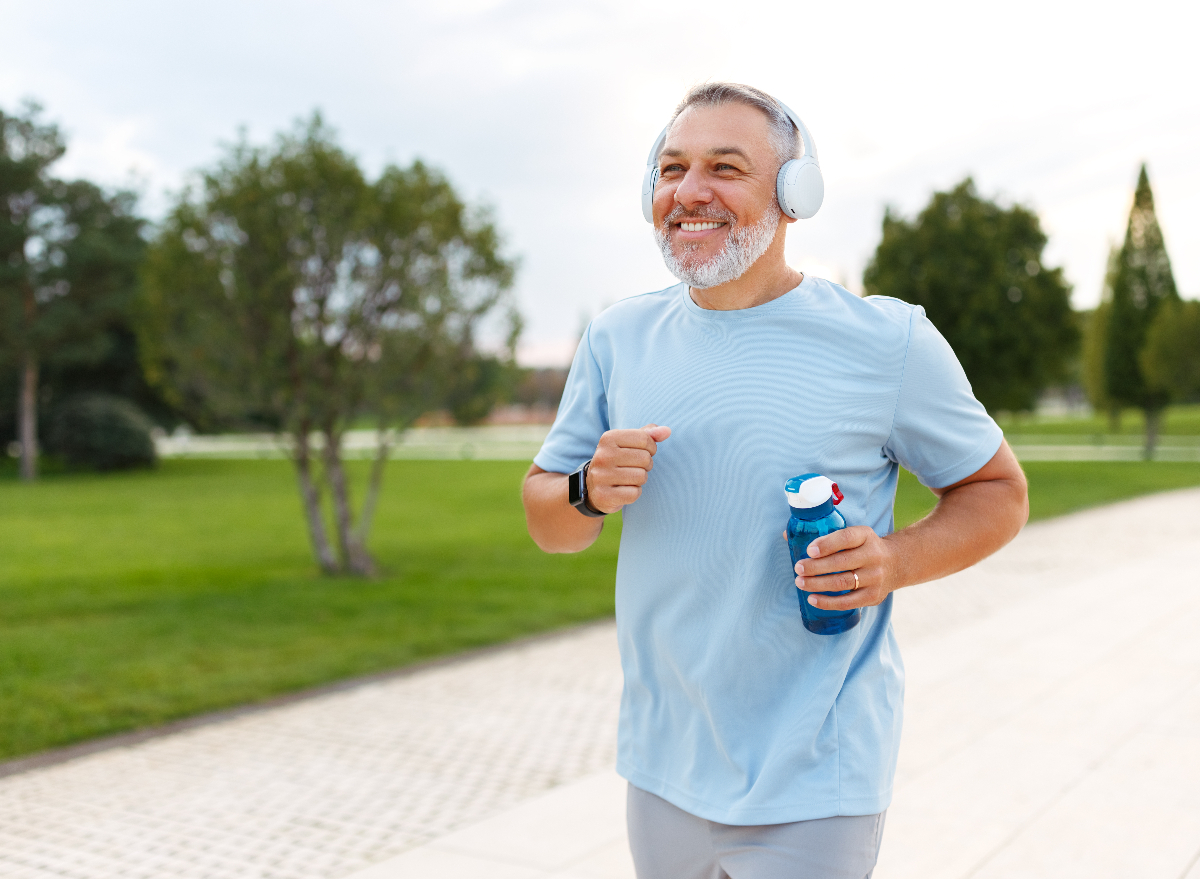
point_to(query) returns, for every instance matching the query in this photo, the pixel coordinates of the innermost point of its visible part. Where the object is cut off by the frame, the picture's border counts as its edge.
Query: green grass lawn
(1177, 421)
(127, 600)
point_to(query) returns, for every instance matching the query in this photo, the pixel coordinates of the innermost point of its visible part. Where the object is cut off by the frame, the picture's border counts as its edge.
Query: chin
(694, 255)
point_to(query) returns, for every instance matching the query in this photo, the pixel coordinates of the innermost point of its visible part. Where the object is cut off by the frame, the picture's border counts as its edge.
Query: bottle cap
(811, 490)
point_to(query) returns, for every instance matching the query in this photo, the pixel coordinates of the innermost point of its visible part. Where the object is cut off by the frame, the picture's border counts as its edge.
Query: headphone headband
(808, 146)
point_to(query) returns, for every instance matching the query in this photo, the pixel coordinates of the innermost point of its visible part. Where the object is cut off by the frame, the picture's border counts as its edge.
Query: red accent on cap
(838, 497)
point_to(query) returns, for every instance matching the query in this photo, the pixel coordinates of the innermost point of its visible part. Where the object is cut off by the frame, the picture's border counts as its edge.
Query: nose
(693, 190)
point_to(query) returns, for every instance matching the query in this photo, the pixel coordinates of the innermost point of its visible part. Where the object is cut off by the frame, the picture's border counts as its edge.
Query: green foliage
(87, 266)
(101, 432)
(293, 293)
(1143, 282)
(1095, 334)
(478, 386)
(28, 147)
(1170, 359)
(977, 270)
(291, 290)
(240, 322)
(69, 253)
(131, 599)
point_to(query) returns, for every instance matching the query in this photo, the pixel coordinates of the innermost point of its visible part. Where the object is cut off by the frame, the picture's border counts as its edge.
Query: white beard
(743, 246)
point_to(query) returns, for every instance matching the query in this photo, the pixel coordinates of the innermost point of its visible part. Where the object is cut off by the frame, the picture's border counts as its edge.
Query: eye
(674, 167)
(723, 166)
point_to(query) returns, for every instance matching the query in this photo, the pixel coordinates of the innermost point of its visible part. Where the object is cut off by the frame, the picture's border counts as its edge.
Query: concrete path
(1052, 730)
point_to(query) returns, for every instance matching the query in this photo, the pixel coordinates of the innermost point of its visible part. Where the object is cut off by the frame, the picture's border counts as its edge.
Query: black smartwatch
(577, 492)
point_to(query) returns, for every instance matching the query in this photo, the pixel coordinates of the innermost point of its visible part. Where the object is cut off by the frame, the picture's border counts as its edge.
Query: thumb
(657, 433)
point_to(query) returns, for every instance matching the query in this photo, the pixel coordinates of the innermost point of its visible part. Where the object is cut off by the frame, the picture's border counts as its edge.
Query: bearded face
(715, 209)
(743, 246)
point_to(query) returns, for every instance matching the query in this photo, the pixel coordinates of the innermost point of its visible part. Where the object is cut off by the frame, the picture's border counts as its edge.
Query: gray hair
(785, 139)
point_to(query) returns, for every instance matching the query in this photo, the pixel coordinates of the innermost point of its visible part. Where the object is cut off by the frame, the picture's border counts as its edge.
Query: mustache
(680, 215)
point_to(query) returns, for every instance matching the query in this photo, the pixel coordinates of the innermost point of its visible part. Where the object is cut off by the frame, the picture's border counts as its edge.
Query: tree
(977, 270)
(69, 254)
(478, 385)
(27, 150)
(291, 292)
(1142, 284)
(1170, 360)
(1094, 335)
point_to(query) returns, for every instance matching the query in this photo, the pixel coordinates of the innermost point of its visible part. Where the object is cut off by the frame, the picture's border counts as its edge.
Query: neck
(769, 278)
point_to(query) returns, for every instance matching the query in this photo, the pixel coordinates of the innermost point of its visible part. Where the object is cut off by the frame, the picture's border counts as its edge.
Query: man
(755, 749)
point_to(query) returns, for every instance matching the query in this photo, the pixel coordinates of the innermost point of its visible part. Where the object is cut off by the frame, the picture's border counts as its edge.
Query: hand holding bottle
(834, 560)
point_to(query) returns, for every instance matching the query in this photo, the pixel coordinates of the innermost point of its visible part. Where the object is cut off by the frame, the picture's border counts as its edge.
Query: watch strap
(577, 493)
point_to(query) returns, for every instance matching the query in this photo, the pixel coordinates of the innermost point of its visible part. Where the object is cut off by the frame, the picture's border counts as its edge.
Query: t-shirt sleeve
(940, 432)
(582, 414)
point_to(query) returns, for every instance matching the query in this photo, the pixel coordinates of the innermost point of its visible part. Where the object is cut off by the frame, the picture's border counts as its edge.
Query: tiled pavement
(326, 786)
(1052, 730)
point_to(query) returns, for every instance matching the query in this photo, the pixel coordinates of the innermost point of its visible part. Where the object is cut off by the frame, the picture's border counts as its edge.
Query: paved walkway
(1052, 730)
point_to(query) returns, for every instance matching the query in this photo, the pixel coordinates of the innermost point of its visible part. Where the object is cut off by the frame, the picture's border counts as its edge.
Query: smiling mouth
(699, 227)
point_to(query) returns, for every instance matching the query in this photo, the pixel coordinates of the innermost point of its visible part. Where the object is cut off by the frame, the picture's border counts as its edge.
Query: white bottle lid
(811, 493)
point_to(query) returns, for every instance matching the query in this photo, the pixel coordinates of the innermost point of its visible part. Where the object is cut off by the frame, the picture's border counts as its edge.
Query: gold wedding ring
(855, 580)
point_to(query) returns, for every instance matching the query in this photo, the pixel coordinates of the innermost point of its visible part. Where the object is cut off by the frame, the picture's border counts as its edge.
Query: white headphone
(799, 186)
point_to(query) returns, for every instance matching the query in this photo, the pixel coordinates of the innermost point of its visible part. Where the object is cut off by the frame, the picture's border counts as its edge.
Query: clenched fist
(620, 466)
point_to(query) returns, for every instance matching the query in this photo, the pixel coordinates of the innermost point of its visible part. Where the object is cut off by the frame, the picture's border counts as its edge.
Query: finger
(846, 560)
(614, 476)
(625, 458)
(831, 582)
(847, 538)
(630, 439)
(849, 601)
(612, 498)
(657, 432)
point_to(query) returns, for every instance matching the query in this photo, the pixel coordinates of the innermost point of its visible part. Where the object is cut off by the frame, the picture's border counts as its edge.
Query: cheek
(664, 200)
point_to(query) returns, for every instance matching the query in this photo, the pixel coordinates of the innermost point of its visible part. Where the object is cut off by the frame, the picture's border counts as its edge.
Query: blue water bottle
(812, 498)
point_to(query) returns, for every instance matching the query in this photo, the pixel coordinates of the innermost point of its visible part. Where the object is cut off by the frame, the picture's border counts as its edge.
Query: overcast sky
(546, 110)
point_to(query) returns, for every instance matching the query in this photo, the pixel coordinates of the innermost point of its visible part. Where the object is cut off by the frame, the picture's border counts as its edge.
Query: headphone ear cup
(649, 181)
(800, 188)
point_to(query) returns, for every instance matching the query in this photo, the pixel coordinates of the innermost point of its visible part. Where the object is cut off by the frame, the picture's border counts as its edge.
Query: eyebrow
(713, 153)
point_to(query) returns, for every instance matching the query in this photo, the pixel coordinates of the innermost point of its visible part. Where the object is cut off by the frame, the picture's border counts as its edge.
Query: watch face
(575, 488)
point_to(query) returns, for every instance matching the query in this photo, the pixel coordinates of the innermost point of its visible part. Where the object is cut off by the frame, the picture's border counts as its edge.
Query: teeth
(698, 227)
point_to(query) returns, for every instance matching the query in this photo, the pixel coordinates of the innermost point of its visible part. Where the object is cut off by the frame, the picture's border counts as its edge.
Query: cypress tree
(1142, 284)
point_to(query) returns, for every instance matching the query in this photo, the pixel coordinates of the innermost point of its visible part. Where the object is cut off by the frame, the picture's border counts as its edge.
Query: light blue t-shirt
(732, 710)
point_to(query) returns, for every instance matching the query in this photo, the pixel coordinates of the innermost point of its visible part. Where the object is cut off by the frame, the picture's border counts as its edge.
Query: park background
(135, 597)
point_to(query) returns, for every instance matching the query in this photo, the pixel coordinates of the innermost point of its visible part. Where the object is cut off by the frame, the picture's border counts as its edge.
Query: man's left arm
(973, 518)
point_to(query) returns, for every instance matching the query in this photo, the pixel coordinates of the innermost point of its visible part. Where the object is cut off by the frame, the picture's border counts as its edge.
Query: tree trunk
(1153, 424)
(354, 552)
(382, 448)
(27, 418)
(312, 503)
(1114, 419)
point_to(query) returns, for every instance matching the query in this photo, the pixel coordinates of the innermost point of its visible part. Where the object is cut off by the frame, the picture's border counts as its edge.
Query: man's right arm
(619, 469)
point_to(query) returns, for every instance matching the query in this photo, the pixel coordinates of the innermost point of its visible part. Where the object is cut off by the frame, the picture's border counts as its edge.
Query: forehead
(699, 129)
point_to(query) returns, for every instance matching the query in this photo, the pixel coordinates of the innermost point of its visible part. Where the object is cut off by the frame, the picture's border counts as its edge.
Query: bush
(101, 432)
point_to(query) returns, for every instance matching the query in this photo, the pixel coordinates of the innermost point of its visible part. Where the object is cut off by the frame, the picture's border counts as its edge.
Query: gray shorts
(669, 843)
